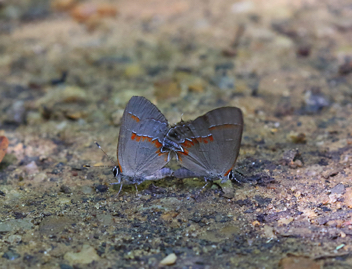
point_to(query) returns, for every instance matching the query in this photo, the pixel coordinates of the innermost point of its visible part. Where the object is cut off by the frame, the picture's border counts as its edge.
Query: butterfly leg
(206, 183)
(135, 185)
(119, 190)
(201, 190)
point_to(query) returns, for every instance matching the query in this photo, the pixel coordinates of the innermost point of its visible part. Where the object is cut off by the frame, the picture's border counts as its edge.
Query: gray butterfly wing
(211, 142)
(142, 131)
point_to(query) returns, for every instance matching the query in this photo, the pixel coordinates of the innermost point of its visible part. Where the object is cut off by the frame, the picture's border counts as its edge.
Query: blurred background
(67, 70)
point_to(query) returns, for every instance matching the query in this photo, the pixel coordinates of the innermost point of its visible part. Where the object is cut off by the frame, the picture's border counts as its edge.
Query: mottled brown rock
(4, 143)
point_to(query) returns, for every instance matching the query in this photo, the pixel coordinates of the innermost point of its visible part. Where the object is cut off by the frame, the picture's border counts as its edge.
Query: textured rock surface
(67, 70)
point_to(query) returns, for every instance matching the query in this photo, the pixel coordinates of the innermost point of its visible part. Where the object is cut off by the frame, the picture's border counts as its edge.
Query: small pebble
(31, 168)
(52, 225)
(338, 189)
(228, 189)
(315, 101)
(101, 188)
(65, 189)
(166, 89)
(229, 52)
(11, 255)
(169, 259)
(133, 71)
(196, 87)
(87, 190)
(295, 164)
(40, 177)
(240, 7)
(298, 262)
(14, 194)
(34, 118)
(223, 81)
(63, 5)
(88, 11)
(14, 239)
(15, 224)
(330, 173)
(74, 115)
(303, 51)
(62, 125)
(85, 256)
(17, 113)
(72, 94)
(289, 158)
(96, 116)
(346, 67)
(187, 80)
(298, 138)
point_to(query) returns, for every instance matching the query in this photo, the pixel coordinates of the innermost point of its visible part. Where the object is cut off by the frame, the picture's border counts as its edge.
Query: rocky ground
(67, 70)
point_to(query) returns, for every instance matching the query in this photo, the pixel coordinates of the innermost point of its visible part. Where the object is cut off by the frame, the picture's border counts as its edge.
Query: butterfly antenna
(110, 159)
(91, 166)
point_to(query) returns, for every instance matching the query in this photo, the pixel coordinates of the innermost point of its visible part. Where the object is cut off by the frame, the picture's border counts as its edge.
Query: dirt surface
(67, 70)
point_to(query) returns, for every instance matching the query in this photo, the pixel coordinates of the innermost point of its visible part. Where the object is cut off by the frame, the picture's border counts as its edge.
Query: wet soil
(67, 70)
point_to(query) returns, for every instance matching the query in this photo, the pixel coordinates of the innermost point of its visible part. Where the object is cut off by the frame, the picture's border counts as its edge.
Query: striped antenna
(110, 159)
(89, 166)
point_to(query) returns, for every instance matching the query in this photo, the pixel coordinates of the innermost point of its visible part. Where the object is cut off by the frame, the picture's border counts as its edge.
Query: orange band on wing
(188, 144)
(205, 140)
(228, 172)
(134, 118)
(223, 126)
(118, 163)
(159, 152)
(157, 143)
(144, 138)
(185, 152)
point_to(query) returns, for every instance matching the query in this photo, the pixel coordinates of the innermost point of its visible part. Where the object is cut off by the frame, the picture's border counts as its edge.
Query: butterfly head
(116, 171)
(230, 176)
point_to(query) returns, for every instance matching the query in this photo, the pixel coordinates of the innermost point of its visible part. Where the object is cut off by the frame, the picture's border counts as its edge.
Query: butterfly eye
(116, 171)
(231, 175)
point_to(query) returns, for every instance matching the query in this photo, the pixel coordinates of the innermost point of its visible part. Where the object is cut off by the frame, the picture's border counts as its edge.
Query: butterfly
(208, 146)
(139, 149)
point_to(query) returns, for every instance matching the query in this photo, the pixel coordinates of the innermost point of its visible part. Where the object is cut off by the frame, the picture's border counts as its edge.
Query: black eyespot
(231, 176)
(116, 171)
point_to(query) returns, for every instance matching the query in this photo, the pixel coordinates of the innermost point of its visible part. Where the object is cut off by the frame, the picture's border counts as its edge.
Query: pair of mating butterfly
(206, 147)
